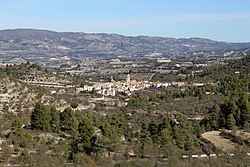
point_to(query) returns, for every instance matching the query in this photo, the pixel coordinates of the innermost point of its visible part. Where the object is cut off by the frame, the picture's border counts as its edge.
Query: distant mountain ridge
(25, 42)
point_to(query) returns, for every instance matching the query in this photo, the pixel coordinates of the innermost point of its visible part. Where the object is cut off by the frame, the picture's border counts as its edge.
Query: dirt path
(242, 134)
(218, 141)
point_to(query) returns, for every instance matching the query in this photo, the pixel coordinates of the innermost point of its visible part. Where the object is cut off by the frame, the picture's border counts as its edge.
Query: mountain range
(44, 43)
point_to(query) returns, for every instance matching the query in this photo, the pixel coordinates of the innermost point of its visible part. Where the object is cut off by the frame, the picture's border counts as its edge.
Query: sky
(222, 20)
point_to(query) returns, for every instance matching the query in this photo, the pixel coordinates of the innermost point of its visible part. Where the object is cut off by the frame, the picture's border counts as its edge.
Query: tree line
(233, 112)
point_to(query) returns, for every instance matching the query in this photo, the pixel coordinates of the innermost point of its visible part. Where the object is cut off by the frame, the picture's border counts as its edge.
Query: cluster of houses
(104, 88)
(124, 88)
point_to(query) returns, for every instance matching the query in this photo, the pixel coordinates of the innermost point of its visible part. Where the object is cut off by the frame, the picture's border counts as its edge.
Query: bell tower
(128, 78)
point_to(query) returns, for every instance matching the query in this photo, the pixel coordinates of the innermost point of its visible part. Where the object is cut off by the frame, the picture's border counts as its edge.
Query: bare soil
(240, 133)
(219, 141)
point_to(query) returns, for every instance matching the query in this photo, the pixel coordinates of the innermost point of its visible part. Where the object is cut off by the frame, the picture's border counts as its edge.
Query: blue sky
(223, 20)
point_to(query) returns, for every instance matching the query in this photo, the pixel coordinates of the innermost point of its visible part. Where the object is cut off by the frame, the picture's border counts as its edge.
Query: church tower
(128, 78)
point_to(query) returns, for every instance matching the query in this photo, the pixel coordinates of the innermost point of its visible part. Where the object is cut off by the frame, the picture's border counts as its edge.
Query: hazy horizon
(224, 20)
(124, 34)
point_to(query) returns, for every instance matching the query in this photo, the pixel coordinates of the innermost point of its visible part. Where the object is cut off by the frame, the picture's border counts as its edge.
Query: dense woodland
(154, 125)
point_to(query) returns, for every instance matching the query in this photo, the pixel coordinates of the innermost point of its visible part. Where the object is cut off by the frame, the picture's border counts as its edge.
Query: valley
(76, 99)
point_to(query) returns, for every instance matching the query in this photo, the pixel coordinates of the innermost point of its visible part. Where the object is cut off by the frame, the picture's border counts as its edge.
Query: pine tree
(68, 122)
(179, 136)
(144, 138)
(222, 119)
(189, 142)
(215, 117)
(153, 129)
(231, 122)
(40, 117)
(111, 137)
(244, 107)
(55, 120)
(164, 137)
(86, 132)
(167, 123)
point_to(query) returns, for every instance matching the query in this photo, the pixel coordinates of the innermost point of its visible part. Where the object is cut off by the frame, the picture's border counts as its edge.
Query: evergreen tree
(179, 136)
(206, 123)
(215, 117)
(167, 123)
(222, 119)
(237, 117)
(231, 122)
(68, 122)
(244, 107)
(86, 132)
(40, 117)
(229, 107)
(201, 94)
(55, 120)
(153, 130)
(111, 137)
(164, 137)
(144, 138)
(189, 142)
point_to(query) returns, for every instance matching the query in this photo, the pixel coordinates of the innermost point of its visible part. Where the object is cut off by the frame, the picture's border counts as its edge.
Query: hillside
(14, 96)
(154, 126)
(32, 42)
(234, 68)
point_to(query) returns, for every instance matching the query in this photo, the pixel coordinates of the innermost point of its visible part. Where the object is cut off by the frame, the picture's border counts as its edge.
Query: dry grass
(220, 142)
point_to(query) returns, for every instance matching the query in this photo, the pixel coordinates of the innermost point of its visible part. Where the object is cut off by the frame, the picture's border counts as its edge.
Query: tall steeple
(128, 78)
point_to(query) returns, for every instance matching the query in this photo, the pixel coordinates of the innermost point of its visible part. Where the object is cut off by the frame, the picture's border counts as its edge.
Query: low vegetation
(156, 127)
